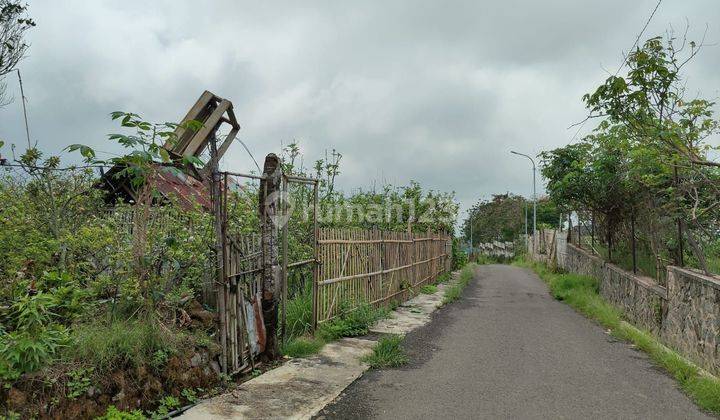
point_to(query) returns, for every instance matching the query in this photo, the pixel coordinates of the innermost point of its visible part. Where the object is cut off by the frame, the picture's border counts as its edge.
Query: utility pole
(534, 193)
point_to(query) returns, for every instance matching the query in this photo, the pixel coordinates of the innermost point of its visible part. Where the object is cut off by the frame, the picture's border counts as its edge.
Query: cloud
(437, 92)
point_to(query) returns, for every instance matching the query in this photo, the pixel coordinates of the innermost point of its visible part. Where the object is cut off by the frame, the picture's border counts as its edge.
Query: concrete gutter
(302, 387)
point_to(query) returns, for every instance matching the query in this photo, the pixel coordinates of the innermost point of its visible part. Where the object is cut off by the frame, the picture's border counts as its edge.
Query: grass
(109, 345)
(454, 290)
(388, 352)
(298, 313)
(429, 289)
(302, 346)
(581, 292)
(351, 323)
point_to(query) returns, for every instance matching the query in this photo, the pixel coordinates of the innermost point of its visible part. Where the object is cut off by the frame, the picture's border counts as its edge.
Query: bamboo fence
(377, 267)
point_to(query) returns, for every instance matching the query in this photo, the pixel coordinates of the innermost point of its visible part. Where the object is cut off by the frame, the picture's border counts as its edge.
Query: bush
(459, 257)
(388, 352)
(34, 338)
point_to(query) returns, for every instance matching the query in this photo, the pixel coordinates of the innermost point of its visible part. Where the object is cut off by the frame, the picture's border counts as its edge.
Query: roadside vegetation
(387, 353)
(453, 291)
(103, 300)
(429, 289)
(645, 177)
(582, 293)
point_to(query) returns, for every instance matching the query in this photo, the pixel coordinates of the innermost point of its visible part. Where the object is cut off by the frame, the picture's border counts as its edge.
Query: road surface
(507, 349)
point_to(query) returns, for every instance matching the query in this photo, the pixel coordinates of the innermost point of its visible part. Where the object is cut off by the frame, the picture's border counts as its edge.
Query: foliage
(114, 414)
(109, 345)
(648, 161)
(388, 352)
(454, 290)
(581, 292)
(14, 22)
(459, 257)
(302, 346)
(32, 338)
(299, 313)
(351, 323)
(79, 382)
(429, 289)
(502, 218)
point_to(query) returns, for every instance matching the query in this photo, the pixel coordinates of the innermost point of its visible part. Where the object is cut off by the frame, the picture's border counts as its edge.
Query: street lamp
(470, 216)
(534, 193)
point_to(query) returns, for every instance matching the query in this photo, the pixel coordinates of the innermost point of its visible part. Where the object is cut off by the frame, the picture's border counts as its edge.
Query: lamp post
(470, 215)
(534, 193)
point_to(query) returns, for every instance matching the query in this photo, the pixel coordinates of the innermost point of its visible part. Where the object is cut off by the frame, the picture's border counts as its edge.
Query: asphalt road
(507, 349)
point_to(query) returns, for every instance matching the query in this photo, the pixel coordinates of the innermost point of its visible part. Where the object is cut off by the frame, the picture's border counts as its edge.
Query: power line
(625, 58)
(638, 37)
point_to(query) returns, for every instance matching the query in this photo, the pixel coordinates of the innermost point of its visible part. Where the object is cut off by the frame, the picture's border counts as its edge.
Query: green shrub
(388, 352)
(351, 323)
(458, 256)
(429, 289)
(34, 339)
(302, 346)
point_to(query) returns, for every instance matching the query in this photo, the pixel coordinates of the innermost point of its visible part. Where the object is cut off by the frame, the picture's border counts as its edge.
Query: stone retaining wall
(685, 315)
(640, 298)
(692, 321)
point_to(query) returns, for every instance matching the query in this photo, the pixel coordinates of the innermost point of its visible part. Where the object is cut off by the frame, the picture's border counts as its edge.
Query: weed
(351, 323)
(388, 352)
(429, 289)
(79, 382)
(122, 343)
(581, 292)
(299, 313)
(159, 358)
(454, 290)
(190, 395)
(167, 404)
(302, 346)
(113, 413)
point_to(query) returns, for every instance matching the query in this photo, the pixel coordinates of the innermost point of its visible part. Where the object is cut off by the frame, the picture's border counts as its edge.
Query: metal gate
(249, 251)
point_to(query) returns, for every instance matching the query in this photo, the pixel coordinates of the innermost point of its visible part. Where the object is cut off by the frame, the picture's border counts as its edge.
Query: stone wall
(692, 321)
(640, 298)
(685, 315)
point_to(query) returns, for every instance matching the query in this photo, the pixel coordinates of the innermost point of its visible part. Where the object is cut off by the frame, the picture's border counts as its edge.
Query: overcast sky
(433, 91)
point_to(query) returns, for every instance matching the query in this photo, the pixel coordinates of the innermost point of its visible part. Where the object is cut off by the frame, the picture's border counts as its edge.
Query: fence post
(634, 249)
(285, 217)
(269, 210)
(592, 232)
(220, 285)
(316, 266)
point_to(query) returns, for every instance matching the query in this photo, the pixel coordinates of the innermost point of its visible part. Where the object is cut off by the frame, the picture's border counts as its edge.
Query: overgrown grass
(298, 315)
(428, 289)
(352, 322)
(109, 345)
(302, 346)
(581, 292)
(388, 352)
(442, 278)
(454, 290)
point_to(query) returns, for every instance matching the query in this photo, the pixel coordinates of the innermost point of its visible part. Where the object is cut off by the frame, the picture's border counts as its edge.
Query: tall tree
(14, 22)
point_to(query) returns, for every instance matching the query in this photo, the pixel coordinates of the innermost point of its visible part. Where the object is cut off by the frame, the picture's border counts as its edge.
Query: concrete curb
(302, 387)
